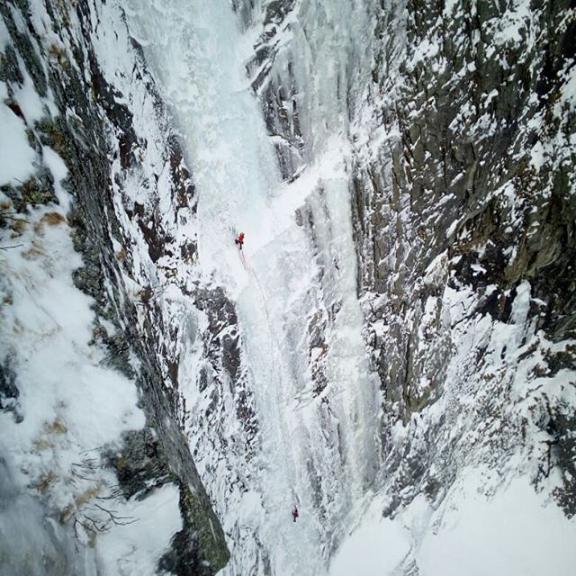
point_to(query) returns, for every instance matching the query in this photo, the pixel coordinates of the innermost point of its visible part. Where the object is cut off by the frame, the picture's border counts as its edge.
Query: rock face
(481, 196)
(461, 120)
(462, 187)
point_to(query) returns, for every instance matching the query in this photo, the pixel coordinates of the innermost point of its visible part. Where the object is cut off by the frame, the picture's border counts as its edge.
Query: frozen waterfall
(318, 447)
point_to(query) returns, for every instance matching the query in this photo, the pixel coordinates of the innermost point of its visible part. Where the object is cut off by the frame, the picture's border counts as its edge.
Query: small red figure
(240, 240)
(295, 513)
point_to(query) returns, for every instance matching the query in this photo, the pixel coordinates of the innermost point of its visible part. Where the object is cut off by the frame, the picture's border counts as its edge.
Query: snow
(426, 50)
(521, 305)
(234, 167)
(477, 532)
(65, 393)
(135, 549)
(449, 6)
(4, 35)
(71, 405)
(49, 328)
(29, 542)
(515, 21)
(515, 532)
(298, 273)
(375, 548)
(538, 156)
(60, 172)
(17, 155)
(569, 89)
(31, 104)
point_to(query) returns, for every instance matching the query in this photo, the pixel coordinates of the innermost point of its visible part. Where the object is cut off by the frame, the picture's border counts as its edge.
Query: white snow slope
(61, 510)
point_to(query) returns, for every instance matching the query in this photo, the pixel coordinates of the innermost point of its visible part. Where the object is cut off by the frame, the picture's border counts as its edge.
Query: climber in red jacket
(240, 240)
(295, 513)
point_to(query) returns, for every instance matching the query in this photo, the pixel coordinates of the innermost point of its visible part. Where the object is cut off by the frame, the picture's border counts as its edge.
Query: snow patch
(515, 532)
(375, 548)
(135, 549)
(18, 157)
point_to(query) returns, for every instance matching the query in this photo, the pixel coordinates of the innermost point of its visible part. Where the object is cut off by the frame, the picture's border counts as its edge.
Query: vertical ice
(296, 295)
(195, 49)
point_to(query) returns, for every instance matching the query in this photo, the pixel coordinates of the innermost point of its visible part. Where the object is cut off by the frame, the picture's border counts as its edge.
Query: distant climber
(240, 240)
(295, 514)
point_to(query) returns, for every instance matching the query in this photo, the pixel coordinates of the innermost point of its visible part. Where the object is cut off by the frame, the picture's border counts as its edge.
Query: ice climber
(295, 514)
(240, 240)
